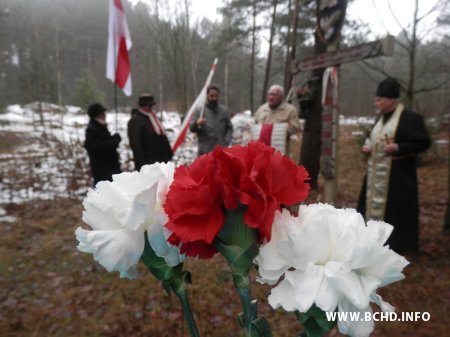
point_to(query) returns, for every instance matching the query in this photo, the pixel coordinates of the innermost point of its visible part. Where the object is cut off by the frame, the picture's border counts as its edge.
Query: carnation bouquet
(232, 202)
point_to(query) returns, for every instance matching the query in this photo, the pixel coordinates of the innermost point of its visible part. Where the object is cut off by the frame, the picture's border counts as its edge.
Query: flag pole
(115, 76)
(115, 107)
(200, 100)
(202, 111)
(117, 61)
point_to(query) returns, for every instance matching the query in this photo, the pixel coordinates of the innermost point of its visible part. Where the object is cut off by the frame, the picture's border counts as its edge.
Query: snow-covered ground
(48, 160)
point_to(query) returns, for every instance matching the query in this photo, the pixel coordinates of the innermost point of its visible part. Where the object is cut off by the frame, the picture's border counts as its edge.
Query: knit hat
(388, 88)
(95, 110)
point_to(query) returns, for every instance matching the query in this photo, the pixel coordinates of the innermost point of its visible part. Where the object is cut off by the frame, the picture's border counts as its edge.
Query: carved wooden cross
(384, 47)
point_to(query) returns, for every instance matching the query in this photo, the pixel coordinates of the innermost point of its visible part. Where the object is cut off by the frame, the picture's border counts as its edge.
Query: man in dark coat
(146, 134)
(389, 191)
(101, 145)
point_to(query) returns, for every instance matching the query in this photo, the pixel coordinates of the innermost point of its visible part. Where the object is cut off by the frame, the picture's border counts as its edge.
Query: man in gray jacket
(211, 123)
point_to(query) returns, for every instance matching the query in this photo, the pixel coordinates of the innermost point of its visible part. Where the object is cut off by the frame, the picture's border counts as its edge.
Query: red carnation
(256, 176)
(194, 207)
(261, 178)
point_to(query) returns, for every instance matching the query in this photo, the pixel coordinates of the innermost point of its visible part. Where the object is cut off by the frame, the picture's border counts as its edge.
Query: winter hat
(95, 110)
(388, 88)
(146, 99)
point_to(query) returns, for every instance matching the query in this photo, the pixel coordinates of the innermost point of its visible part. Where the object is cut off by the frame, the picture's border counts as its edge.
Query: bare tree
(269, 53)
(253, 57)
(409, 41)
(291, 43)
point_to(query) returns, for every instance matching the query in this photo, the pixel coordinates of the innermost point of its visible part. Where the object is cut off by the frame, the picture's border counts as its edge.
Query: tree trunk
(447, 212)
(159, 58)
(292, 38)
(58, 68)
(312, 142)
(409, 99)
(253, 58)
(225, 85)
(287, 61)
(269, 54)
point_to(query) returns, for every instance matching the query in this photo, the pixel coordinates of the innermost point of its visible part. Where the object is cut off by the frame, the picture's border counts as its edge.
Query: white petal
(311, 244)
(142, 210)
(379, 230)
(157, 239)
(132, 183)
(306, 285)
(388, 267)
(350, 285)
(355, 328)
(281, 296)
(167, 171)
(116, 250)
(385, 306)
(344, 226)
(327, 296)
(130, 274)
(271, 261)
(100, 207)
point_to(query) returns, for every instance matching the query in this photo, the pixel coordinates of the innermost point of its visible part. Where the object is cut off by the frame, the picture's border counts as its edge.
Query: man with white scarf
(146, 134)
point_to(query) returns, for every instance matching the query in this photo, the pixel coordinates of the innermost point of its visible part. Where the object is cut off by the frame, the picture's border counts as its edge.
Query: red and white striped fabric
(274, 135)
(159, 130)
(119, 43)
(199, 101)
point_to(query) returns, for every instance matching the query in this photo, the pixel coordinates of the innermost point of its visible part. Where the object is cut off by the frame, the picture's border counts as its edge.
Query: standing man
(276, 110)
(101, 146)
(389, 192)
(211, 123)
(146, 134)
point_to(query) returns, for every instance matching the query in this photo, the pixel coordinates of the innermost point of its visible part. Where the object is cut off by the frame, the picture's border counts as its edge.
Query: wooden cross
(330, 130)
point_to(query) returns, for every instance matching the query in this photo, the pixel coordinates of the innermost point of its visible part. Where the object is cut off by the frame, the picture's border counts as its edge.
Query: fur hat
(388, 88)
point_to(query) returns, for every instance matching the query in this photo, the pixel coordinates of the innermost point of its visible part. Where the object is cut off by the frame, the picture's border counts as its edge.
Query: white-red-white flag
(199, 102)
(119, 43)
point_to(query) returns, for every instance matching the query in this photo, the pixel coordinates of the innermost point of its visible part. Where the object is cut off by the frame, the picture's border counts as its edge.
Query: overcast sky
(375, 12)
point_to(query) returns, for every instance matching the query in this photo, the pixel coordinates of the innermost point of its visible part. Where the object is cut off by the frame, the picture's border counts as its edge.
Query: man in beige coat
(276, 110)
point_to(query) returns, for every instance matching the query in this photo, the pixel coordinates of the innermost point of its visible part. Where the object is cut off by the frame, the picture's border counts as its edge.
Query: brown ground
(48, 288)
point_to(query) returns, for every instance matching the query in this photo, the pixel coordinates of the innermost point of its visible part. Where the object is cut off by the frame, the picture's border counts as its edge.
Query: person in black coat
(389, 192)
(101, 145)
(146, 134)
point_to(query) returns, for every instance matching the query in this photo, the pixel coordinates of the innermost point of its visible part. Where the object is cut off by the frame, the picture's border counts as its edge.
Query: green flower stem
(238, 244)
(248, 307)
(187, 312)
(173, 279)
(255, 326)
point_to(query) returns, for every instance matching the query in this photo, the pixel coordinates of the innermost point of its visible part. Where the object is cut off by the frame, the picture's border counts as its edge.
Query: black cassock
(402, 206)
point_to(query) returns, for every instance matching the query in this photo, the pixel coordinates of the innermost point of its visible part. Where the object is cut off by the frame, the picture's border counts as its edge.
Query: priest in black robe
(390, 192)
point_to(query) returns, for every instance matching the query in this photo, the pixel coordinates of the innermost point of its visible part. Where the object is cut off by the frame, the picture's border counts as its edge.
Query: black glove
(117, 137)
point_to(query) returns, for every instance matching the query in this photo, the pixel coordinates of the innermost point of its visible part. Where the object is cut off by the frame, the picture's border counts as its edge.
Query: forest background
(54, 51)
(58, 55)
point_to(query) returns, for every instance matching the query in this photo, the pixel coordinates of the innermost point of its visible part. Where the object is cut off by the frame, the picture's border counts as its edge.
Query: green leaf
(172, 277)
(241, 320)
(260, 328)
(315, 322)
(235, 232)
(240, 259)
